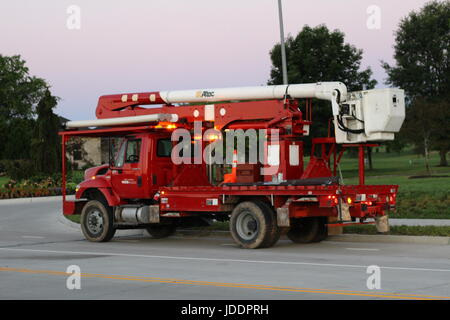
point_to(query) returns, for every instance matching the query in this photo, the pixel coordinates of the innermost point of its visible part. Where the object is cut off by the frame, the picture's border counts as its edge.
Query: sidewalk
(419, 222)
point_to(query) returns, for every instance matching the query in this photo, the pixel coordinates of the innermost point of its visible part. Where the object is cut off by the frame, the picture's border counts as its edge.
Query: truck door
(161, 165)
(126, 175)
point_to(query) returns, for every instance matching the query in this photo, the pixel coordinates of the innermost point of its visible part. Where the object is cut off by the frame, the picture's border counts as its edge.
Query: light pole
(283, 50)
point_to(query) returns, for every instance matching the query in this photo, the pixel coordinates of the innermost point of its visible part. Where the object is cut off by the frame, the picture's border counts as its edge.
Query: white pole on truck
(334, 92)
(122, 120)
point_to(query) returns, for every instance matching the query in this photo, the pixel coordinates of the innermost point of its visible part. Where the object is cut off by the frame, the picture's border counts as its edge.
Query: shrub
(20, 169)
(2, 167)
(75, 176)
(28, 188)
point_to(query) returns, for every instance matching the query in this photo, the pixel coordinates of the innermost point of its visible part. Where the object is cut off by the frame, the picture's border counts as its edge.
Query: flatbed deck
(310, 200)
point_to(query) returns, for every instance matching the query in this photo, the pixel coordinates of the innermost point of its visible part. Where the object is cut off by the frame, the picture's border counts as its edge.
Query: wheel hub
(95, 221)
(251, 225)
(247, 226)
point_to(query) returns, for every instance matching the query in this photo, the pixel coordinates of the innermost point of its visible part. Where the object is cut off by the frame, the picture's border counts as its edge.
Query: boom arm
(113, 105)
(370, 115)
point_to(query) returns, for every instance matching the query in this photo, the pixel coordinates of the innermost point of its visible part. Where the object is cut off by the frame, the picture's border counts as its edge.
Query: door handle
(139, 181)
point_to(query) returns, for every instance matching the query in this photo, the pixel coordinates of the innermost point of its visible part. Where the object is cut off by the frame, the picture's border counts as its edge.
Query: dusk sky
(145, 45)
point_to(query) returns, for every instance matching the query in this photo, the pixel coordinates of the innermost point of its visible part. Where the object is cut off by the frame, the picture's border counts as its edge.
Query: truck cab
(139, 167)
(142, 165)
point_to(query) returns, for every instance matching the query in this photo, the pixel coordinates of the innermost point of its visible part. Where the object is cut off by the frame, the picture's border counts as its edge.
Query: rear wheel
(305, 230)
(276, 231)
(97, 222)
(159, 231)
(253, 224)
(323, 230)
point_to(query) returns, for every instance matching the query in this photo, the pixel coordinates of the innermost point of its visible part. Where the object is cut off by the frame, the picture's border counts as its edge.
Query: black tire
(97, 222)
(276, 231)
(304, 230)
(322, 234)
(253, 224)
(159, 231)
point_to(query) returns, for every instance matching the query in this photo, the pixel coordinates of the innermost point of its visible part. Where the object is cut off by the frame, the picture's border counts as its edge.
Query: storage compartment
(248, 173)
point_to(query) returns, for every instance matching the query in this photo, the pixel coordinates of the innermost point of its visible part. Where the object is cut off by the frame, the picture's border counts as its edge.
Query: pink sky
(142, 45)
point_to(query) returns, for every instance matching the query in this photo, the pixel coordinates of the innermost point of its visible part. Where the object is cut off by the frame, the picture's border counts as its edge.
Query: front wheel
(97, 222)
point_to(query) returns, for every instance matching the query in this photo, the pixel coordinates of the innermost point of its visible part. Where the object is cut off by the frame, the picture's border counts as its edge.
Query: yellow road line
(232, 285)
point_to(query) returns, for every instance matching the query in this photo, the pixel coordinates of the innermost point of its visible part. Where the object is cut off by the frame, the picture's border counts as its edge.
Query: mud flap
(382, 223)
(283, 216)
(154, 214)
(345, 212)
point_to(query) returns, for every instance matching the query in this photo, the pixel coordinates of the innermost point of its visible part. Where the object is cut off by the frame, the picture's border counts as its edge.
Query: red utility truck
(153, 183)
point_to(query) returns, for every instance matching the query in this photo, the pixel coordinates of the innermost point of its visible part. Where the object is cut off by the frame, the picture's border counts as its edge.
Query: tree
(46, 145)
(17, 139)
(422, 47)
(425, 122)
(318, 54)
(441, 135)
(19, 94)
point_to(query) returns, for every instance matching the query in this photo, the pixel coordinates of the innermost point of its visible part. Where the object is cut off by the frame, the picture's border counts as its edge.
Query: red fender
(102, 185)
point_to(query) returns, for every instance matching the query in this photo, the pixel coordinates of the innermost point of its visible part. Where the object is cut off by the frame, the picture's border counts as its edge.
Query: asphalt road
(36, 249)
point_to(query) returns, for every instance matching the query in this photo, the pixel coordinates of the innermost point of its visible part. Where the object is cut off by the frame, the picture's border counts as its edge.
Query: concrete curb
(419, 222)
(382, 238)
(61, 219)
(30, 200)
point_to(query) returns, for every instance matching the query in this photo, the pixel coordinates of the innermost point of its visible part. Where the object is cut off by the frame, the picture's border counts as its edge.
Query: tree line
(30, 144)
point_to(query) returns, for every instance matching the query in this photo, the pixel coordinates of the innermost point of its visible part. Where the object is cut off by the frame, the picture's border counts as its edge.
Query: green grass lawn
(405, 164)
(417, 198)
(3, 180)
(387, 164)
(74, 218)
